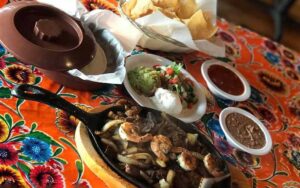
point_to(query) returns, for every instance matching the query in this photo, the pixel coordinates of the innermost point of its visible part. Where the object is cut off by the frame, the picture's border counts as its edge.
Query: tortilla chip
(128, 6)
(213, 28)
(169, 12)
(186, 8)
(166, 3)
(198, 22)
(142, 8)
(199, 27)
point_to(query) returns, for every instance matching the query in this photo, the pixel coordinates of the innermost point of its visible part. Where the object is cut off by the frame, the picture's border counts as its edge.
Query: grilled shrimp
(161, 145)
(127, 131)
(212, 166)
(186, 159)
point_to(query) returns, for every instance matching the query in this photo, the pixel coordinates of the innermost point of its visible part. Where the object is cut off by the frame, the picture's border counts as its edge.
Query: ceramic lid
(41, 35)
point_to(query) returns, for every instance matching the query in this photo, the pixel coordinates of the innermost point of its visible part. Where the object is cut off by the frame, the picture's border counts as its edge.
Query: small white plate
(232, 141)
(149, 60)
(217, 91)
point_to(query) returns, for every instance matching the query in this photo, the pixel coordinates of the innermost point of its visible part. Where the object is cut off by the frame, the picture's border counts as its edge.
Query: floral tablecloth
(37, 147)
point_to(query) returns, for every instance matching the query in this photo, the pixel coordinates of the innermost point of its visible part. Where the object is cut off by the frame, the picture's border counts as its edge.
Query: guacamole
(144, 80)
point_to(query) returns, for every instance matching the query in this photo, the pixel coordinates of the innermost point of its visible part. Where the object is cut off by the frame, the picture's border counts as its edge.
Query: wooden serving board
(92, 159)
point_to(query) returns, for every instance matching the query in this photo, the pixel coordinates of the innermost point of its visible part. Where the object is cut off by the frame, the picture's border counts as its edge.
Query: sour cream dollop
(167, 101)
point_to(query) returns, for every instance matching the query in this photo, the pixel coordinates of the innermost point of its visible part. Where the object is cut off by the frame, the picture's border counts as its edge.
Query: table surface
(37, 145)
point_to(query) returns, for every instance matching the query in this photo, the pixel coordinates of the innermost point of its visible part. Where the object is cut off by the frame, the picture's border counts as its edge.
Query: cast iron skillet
(94, 121)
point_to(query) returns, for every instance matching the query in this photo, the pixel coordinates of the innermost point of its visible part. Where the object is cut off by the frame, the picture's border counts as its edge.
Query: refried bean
(245, 131)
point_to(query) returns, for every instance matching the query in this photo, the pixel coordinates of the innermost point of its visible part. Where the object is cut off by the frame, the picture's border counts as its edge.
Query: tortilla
(200, 27)
(142, 8)
(169, 12)
(128, 6)
(186, 11)
(166, 3)
(186, 8)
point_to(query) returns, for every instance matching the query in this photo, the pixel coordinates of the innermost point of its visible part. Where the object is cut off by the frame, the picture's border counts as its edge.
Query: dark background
(256, 15)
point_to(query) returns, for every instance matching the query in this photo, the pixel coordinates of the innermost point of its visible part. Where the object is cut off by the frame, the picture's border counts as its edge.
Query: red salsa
(225, 79)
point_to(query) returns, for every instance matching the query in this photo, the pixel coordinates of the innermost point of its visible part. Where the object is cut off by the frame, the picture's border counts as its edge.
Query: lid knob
(47, 29)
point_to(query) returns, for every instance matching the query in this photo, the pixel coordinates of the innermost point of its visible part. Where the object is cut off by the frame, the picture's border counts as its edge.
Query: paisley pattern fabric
(37, 147)
(272, 71)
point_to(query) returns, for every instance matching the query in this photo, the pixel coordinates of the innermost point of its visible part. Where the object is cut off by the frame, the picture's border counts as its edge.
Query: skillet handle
(35, 93)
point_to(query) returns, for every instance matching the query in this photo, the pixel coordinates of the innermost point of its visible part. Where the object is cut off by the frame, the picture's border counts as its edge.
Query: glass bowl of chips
(199, 23)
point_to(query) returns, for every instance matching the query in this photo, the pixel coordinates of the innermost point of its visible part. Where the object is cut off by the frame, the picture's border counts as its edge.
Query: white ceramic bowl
(217, 91)
(232, 141)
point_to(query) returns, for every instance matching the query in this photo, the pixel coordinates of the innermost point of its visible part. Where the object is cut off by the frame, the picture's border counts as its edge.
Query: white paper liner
(116, 76)
(163, 25)
(72, 7)
(129, 36)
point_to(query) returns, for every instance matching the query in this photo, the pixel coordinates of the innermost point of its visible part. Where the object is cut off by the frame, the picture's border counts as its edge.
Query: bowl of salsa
(225, 81)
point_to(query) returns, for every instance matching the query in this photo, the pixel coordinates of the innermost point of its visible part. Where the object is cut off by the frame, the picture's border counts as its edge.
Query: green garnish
(177, 67)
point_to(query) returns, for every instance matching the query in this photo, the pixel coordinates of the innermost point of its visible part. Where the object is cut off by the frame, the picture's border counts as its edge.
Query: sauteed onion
(132, 161)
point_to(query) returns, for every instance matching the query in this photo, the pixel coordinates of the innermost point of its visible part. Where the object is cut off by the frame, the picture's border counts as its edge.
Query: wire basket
(148, 32)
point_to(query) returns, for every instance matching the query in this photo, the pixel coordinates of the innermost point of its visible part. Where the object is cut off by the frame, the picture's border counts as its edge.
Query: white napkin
(209, 5)
(72, 7)
(75, 9)
(127, 34)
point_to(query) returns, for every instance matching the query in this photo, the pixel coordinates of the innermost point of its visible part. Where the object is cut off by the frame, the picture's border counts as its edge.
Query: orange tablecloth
(3, 2)
(36, 141)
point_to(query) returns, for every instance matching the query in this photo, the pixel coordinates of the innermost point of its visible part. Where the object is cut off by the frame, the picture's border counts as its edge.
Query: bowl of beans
(245, 132)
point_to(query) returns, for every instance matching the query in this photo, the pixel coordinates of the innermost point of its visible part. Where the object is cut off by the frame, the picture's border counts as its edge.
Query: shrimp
(187, 161)
(161, 145)
(212, 166)
(127, 131)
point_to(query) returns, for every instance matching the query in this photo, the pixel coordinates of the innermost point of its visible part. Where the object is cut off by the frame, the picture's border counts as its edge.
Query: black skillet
(94, 122)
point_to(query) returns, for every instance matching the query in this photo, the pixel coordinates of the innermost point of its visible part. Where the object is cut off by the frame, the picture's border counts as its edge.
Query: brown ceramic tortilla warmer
(44, 36)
